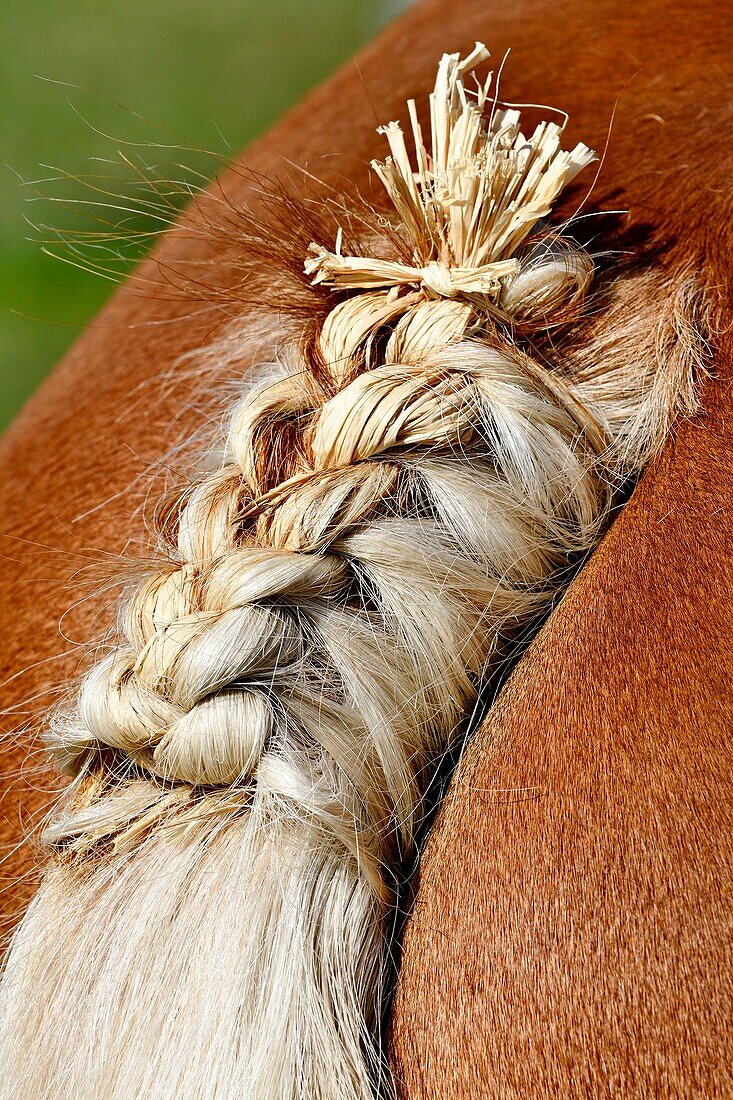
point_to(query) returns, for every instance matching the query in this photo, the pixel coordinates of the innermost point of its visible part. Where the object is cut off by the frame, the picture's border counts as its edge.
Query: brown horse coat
(571, 933)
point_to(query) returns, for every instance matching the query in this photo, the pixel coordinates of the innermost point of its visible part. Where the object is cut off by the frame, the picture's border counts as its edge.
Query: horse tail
(398, 500)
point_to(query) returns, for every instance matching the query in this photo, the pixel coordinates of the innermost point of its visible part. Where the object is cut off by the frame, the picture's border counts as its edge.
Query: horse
(566, 931)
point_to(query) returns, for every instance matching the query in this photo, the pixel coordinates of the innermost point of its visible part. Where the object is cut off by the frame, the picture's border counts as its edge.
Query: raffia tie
(467, 206)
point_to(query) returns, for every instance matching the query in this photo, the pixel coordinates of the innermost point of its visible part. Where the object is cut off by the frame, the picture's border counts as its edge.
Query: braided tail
(252, 757)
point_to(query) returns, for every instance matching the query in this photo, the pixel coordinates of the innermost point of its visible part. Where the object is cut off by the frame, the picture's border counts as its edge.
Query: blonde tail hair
(251, 758)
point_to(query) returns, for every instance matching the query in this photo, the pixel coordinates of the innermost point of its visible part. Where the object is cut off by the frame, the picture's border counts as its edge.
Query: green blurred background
(79, 80)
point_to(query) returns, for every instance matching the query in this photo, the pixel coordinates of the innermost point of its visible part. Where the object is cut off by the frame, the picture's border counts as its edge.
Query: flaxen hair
(402, 494)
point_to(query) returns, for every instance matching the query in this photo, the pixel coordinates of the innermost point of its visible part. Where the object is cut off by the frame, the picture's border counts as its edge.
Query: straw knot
(436, 277)
(475, 197)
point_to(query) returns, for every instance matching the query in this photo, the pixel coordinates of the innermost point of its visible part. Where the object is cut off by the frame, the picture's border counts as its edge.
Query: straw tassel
(467, 206)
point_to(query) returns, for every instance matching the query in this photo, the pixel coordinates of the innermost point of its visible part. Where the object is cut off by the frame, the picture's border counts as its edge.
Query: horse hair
(402, 494)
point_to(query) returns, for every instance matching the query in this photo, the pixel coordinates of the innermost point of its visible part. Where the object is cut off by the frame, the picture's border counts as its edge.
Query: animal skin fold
(253, 756)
